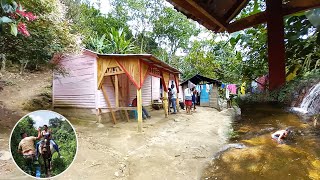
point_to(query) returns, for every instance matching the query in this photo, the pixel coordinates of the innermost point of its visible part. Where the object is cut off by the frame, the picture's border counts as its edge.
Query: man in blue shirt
(174, 99)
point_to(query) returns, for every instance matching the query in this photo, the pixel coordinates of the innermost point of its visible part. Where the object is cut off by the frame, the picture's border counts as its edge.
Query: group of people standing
(190, 97)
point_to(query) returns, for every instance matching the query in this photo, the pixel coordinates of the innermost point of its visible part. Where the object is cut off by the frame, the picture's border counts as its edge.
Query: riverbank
(175, 148)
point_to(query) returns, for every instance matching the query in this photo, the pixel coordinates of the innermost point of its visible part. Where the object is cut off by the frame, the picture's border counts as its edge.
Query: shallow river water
(259, 157)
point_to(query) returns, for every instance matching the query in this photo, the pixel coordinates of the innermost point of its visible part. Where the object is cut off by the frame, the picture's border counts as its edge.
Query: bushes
(287, 94)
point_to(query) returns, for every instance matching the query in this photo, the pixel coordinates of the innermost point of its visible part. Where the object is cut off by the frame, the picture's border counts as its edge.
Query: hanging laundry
(191, 85)
(254, 86)
(232, 88)
(198, 88)
(243, 88)
(227, 94)
(293, 74)
(208, 88)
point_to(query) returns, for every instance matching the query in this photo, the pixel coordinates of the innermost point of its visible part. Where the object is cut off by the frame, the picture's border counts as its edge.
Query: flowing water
(257, 156)
(311, 102)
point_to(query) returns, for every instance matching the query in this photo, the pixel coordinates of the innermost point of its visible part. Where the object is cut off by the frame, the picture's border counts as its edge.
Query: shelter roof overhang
(197, 79)
(217, 15)
(147, 58)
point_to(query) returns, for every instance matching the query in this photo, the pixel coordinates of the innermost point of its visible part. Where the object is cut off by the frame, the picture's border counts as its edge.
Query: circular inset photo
(43, 144)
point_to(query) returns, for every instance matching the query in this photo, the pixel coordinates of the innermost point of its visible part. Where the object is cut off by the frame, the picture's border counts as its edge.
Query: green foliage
(253, 43)
(287, 93)
(97, 44)
(6, 8)
(25, 125)
(174, 30)
(118, 43)
(301, 42)
(212, 58)
(233, 134)
(302, 47)
(63, 135)
(91, 23)
(51, 32)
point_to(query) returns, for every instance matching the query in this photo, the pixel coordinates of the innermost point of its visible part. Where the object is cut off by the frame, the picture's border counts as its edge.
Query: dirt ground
(177, 147)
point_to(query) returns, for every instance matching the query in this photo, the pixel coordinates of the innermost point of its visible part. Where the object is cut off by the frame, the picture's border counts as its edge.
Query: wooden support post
(116, 89)
(165, 103)
(276, 48)
(139, 109)
(109, 104)
(177, 102)
(99, 115)
(120, 93)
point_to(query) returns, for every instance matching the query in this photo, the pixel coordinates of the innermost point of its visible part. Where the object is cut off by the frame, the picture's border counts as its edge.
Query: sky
(105, 5)
(42, 117)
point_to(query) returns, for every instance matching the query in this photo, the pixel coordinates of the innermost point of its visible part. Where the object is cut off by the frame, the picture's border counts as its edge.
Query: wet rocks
(229, 146)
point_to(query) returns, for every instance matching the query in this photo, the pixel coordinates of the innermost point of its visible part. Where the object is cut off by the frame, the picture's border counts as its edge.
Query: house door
(204, 96)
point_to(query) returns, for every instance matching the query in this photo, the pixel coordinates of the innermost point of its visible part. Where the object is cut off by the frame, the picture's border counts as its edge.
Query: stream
(254, 155)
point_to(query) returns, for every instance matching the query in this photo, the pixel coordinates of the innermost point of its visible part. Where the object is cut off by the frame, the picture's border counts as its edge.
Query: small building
(107, 83)
(208, 89)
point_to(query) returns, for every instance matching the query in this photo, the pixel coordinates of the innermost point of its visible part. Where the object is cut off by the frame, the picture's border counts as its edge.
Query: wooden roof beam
(196, 10)
(234, 11)
(292, 7)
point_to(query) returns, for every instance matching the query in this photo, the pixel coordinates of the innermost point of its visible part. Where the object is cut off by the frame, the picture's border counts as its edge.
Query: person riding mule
(26, 148)
(47, 141)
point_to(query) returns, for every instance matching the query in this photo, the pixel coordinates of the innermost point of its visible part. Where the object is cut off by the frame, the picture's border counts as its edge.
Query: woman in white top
(188, 99)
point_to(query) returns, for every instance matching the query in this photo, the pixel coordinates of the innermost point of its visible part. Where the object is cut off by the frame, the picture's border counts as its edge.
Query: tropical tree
(142, 14)
(97, 44)
(51, 32)
(212, 58)
(118, 42)
(173, 30)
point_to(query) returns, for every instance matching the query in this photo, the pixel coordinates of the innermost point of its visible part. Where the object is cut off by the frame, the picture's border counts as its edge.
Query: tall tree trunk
(142, 41)
(23, 66)
(3, 58)
(141, 47)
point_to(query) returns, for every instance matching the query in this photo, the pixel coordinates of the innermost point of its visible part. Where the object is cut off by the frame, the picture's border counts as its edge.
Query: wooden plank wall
(146, 90)
(155, 88)
(107, 84)
(77, 88)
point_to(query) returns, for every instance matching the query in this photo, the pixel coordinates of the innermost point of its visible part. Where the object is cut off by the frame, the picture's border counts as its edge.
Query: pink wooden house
(89, 75)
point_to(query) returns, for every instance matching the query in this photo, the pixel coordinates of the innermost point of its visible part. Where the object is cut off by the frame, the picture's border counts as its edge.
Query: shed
(107, 83)
(208, 89)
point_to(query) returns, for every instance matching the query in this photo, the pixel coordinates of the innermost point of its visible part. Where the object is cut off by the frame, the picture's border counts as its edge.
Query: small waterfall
(311, 102)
